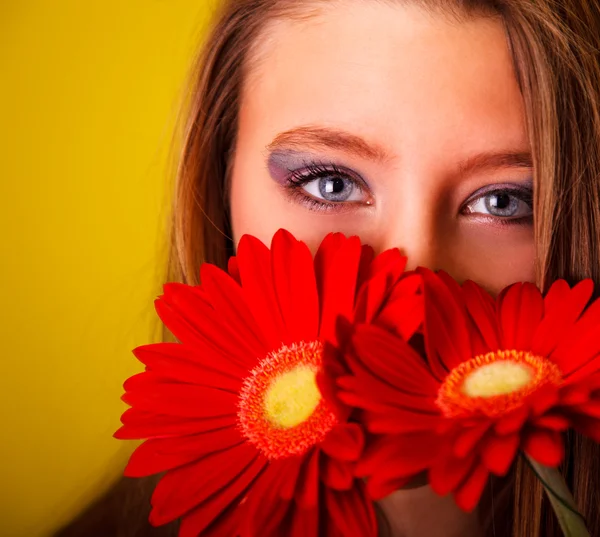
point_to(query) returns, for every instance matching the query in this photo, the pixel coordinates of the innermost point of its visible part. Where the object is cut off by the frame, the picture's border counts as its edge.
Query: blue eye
(329, 185)
(333, 188)
(506, 203)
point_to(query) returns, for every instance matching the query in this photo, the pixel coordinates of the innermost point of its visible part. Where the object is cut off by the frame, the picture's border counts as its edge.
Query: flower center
(292, 397)
(280, 409)
(497, 378)
(495, 383)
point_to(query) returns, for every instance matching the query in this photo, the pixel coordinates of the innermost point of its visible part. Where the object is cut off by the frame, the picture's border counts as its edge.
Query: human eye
(506, 204)
(328, 187)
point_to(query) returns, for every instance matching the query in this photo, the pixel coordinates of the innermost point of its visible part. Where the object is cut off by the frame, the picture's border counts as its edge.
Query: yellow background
(88, 97)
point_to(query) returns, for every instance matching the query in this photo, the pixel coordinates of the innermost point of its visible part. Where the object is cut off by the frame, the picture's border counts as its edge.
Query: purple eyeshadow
(282, 162)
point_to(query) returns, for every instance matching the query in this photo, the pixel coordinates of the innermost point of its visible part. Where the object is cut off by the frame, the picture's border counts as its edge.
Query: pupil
(500, 201)
(502, 204)
(334, 185)
(334, 188)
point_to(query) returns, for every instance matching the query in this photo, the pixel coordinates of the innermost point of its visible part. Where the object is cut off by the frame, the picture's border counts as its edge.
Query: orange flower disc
(495, 383)
(281, 410)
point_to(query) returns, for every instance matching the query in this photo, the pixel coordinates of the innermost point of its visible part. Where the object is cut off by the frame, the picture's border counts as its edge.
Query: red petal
(589, 408)
(292, 471)
(467, 439)
(556, 296)
(331, 368)
(590, 368)
(229, 302)
(552, 422)
(336, 474)
(446, 336)
(184, 400)
(399, 421)
(398, 457)
(392, 360)
(563, 306)
(209, 485)
(402, 316)
(196, 325)
(189, 312)
(482, 309)
(160, 454)
(384, 272)
(452, 285)
(351, 512)
(182, 363)
(307, 491)
(369, 263)
(373, 394)
(234, 269)
(449, 472)
(304, 522)
(264, 510)
(336, 267)
(390, 262)
(175, 313)
(381, 485)
(544, 399)
(498, 453)
(468, 494)
(139, 424)
(348, 396)
(546, 447)
(254, 262)
(295, 286)
(226, 523)
(574, 394)
(512, 421)
(520, 310)
(345, 442)
(581, 344)
(145, 380)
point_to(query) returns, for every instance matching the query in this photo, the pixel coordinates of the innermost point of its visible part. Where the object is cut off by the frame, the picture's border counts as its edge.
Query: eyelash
(314, 171)
(522, 193)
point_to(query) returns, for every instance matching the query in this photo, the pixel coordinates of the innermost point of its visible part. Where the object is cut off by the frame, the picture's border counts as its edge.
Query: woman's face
(402, 127)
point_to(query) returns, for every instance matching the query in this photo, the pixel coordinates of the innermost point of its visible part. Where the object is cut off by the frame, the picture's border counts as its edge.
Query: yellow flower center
(495, 383)
(497, 378)
(292, 397)
(281, 410)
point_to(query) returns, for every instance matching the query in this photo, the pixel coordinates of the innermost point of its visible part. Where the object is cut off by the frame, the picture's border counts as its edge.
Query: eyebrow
(495, 159)
(324, 138)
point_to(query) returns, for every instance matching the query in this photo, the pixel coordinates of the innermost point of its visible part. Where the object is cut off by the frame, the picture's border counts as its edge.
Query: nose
(413, 224)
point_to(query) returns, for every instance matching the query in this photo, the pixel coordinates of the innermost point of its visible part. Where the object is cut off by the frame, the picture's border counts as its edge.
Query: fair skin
(414, 125)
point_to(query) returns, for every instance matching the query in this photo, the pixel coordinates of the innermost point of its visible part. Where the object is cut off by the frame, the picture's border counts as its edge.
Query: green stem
(570, 519)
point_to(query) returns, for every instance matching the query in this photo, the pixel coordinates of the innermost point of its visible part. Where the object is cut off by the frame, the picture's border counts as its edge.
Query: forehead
(394, 72)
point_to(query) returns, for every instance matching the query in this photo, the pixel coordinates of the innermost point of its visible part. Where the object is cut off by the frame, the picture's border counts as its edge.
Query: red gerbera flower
(233, 413)
(500, 376)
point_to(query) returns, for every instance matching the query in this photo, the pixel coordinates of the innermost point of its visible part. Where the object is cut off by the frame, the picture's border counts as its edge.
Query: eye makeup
(501, 204)
(281, 163)
(325, 186)
(311, 182)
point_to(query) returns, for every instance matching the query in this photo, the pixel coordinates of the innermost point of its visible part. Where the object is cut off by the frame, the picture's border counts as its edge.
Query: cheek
(252, 208)
(493, 259)
(259, 207)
